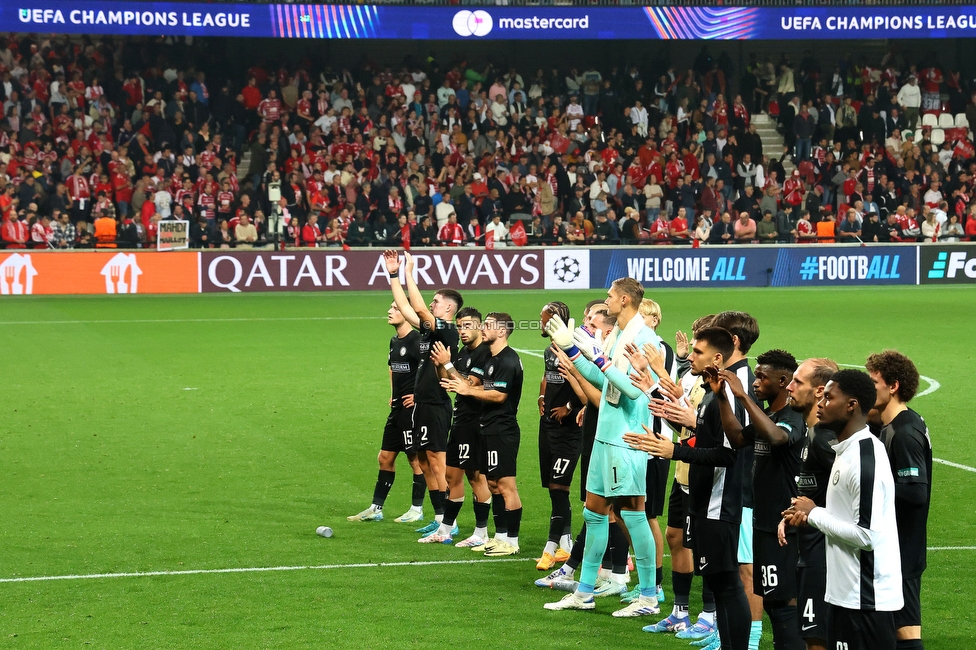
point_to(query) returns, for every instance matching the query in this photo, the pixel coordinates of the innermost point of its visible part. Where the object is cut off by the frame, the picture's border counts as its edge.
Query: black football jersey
(403, 360)
(816, 460)
(503, 374)
(467, 410)
(906, 439)
(775, 469)
(558, 392)
(428, 389)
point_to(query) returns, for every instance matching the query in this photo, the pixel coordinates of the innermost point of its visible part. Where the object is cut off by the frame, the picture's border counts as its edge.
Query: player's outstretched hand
(561, 333)
(392, 259)
(675, 412)
(713, 378)
(681, 344)
(439, 354)
(408, 401)
(642, 380)
(635, 358)
(589, 345)
(650, 442)
(781, 532)
(579, 417)
(735, 385)
(409, 260)
(655, 359)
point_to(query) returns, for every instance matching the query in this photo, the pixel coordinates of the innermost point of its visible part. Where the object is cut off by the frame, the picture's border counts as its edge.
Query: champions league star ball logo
(566, 269)
(472, 23)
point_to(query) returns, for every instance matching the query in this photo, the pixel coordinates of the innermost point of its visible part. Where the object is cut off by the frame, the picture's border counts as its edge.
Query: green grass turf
(108, 464)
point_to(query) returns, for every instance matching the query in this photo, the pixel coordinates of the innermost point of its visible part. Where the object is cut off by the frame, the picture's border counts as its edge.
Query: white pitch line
(531, 353)
(956, 465)
(186, 320)
(319, 567)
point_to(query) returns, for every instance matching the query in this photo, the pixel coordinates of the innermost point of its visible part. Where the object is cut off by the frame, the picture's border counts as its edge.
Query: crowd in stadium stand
(97, 152)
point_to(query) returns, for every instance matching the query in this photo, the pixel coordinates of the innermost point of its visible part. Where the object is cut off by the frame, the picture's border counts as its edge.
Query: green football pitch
(192, 441)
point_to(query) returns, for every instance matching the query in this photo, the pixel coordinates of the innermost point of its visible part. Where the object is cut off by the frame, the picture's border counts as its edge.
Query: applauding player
(398, 433)
(432, 406)
(500, 432)
(616, 473)
(464, 445)
(776, 435)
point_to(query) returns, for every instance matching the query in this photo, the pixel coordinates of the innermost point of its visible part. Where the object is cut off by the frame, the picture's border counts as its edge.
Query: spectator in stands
(497, 230)
(424, 233)
(766, 231)
(871, 229)
(703, 226)
(850, 228)
(827, 229)
(106, 231)
(805, 232)
(451, 234)
(678, 228)
(245, 234)
(930, 228)
(953, 231)
(745, 228)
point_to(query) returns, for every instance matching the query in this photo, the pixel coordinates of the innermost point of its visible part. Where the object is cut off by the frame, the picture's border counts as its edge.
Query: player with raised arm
(906, 439)
(398, 432)
(859, 523)
(501, 392)
(617, 473)
(816, 460)
(776, 435)
(714, 484)
(464, 445)
(432, 406)
(560, 443)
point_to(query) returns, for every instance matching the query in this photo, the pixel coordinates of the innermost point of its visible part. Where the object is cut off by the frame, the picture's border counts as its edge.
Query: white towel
(621, 339)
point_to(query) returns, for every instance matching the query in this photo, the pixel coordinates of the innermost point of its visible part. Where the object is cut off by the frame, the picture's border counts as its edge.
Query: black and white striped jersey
(858, 523)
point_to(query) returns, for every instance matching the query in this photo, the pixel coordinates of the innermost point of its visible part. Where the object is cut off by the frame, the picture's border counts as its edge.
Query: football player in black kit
(464, 445)
(398, 433)
(714, 484)
(906, 439)
(776, 435)
(501, 392)
(560, 443)
(816, 459)
(432, 405)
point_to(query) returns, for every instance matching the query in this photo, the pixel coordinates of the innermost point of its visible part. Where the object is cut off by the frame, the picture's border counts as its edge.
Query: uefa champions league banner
(500, 23)
(756, 266)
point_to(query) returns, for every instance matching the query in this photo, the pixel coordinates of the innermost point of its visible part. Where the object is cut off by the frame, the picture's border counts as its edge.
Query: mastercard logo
(472, 23)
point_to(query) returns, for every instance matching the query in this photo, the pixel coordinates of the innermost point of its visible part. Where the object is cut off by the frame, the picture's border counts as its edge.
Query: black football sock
(498, 514)
(451, 510)
(659, 576)
(708, 599)
(560, 507)
(419, 488)
(618, 549)
(576, 555)
(383, 484)
(681, 585)
(481, 511)
(514, 523)
(437, 501)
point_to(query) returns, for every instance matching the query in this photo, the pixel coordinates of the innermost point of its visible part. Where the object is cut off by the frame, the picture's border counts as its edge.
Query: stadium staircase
(772, 140)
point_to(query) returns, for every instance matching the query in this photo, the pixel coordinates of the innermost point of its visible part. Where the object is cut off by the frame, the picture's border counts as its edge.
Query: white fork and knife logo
(115, 274)
(17, 275)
